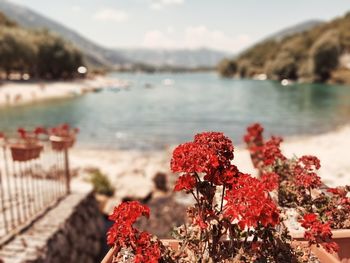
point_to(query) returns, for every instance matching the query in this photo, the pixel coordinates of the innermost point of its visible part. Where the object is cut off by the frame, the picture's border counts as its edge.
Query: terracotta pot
(22, 152)
(59, 143)
(324, 256)
(340, 236)
(174, 244)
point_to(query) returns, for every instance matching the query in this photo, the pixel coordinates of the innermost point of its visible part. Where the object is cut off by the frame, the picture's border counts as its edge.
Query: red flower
(270, 180)
(193, 158)
(65, 126)
(147, 250)
(310, 180)
(129, 212)
(185, 182)
(304, 172)
(318, 232)
(22, 133)
(229, 175)
(254, 134)
(218, 143)
(310, 162)
(271, 151)
(40, 130)
(123, 234)
(2, 135)
(249, 202)
(124, 216)
(308, 220)
(337, 191)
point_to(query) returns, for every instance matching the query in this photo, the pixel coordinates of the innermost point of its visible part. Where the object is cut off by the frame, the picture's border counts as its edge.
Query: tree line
(311, 56)
(38, 53)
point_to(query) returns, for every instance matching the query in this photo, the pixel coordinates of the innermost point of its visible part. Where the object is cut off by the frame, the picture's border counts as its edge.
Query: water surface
(152, 115)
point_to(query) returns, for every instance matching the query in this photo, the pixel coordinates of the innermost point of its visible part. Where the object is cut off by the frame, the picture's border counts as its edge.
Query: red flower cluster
(22, 133)
(337, 191)
(304, 172)
(270, 180)
(63, 130)
(146, 249)
(318, 233)
(123, 234)
(40, 130)
(210, 153)
(219, 143)
(249, 202)
(192, 157)
(262, 153)
(254, 136)
(185, 182)
(271, 151)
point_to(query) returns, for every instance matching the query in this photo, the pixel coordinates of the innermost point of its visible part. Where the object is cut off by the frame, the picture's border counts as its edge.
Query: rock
(160, 181)
(166, 214)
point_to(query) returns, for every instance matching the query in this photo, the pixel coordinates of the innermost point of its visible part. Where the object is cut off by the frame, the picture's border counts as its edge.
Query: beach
(132, 172)
(26, 92)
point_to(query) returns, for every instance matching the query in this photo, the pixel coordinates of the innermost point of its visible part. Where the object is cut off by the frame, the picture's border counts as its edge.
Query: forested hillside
(316, 55)
(36, 53)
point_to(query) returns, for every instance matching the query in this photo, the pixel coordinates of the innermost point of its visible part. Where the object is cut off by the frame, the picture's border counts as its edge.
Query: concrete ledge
(70, 232)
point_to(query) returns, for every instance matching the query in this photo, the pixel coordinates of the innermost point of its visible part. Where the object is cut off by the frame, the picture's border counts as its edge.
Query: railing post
(67, 171)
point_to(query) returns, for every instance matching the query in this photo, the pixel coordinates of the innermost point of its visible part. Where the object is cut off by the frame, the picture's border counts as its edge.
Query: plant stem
(222, 197)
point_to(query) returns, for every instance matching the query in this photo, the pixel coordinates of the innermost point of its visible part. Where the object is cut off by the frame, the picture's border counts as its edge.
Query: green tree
(227, 68)
(324, 55)
(283, 66)
(56, 58)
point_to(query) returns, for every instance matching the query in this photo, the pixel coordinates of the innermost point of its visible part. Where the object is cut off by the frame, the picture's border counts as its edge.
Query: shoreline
(14, 94)
(132, 170)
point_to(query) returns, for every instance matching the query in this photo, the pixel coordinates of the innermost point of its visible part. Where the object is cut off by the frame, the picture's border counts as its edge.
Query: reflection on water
(143, 117)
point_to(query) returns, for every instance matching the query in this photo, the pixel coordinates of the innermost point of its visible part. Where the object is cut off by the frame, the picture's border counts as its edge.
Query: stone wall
(70, 232)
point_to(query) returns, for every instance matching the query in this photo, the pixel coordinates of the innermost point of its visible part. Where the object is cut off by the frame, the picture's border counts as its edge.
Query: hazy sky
(221, 24)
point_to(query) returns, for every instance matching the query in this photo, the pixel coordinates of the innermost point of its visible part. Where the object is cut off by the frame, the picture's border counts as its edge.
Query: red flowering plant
(130, 243)
(318, 233)
(63, 136)
(296, 176)
(27, 146)
(64, 130)
(299, 185)
(242, 225)
(30, 137)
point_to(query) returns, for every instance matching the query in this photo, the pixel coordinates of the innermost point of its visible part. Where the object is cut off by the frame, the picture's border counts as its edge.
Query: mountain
(28, 18)
(316, 54)
(102, 56)
(189, 58)
(298, 28)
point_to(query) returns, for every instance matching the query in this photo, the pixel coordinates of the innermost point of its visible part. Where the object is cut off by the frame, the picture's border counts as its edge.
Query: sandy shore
(131, 172)
(17, 93)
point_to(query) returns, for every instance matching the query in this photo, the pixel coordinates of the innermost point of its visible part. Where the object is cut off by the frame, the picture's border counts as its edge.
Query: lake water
(160, 115)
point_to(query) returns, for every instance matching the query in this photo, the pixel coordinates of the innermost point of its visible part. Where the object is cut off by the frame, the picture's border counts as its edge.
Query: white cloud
(202, 36)
(159, 4)
(156, 38)
(111, 15)
(76, 8)
(196, 37)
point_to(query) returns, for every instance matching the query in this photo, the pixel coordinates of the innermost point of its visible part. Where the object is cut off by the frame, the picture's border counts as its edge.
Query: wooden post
(67, 171)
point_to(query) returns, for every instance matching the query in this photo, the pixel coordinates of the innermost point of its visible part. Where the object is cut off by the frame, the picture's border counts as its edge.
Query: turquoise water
(148, 118)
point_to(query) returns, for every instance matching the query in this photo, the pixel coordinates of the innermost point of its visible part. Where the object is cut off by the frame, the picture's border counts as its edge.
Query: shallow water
(158, 115)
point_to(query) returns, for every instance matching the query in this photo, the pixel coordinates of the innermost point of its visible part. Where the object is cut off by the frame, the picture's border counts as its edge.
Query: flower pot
(174, 244)
(25, 152)
(340, 236)
(324, 256)
(59, 143)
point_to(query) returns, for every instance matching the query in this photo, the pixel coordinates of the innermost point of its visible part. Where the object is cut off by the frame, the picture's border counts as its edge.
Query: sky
(228, 25)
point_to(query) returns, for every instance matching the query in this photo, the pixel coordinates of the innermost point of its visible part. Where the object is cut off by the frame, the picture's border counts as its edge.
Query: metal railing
(29, 187)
